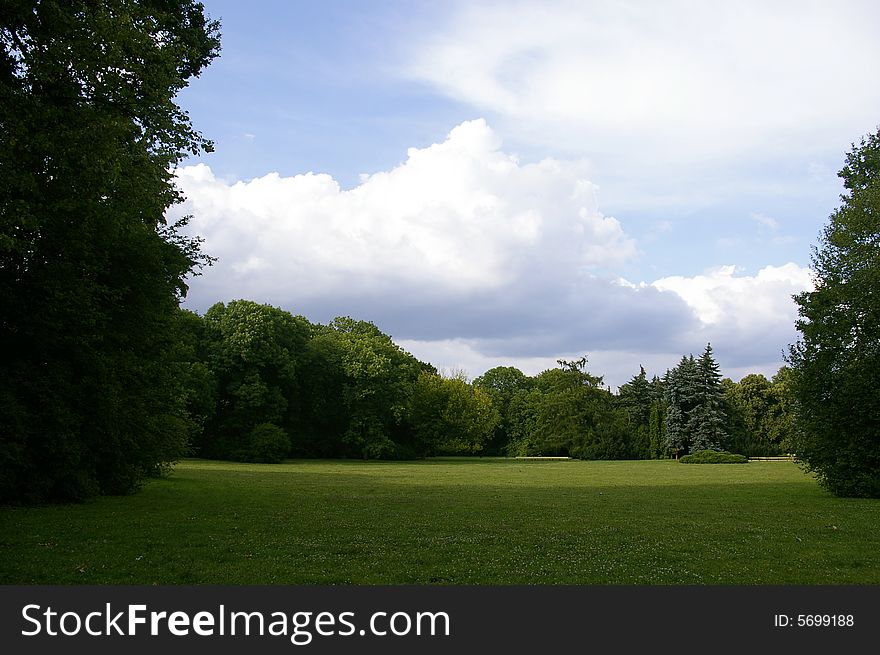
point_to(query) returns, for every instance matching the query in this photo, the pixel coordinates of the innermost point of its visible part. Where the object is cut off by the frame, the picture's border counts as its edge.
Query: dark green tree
(378, 378)
(835, 365)
(681, 386)
(90, 271)
(521, 420)
(449, 415)
(564, 407)
(659, 447)
(636, 400)
(758, 414)
(253, 352)
(320, 416)
(502, 383)
(741, 438)
(781, 424)
(695, 418)
(635, 397)
(193, 374)
(571, 414)
(657, 420)
(707, 421)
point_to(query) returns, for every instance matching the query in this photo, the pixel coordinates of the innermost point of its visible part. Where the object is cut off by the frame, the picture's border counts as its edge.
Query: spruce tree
(676, 434)
(695, 418)
(708, 419)
(657, 420)
(635, 398)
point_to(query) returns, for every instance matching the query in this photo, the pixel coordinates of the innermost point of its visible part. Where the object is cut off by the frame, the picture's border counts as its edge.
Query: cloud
(471, 259)
(457, 220)
(765, 223)
(720, 297)
(748, 318)
(677, 95)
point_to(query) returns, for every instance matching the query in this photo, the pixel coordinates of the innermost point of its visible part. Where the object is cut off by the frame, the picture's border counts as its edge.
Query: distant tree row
(567, 411)
(262, 384)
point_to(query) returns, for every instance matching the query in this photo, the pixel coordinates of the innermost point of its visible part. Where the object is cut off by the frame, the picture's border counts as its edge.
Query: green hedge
(713, 457)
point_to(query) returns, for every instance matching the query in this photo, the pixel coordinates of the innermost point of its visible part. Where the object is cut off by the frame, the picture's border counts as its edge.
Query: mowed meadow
(453, 521)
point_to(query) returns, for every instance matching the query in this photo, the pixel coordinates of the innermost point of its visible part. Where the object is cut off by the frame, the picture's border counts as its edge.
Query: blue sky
(510, 183)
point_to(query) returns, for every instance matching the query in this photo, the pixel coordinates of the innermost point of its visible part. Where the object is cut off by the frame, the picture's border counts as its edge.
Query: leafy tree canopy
(90, 272)
(835, 366)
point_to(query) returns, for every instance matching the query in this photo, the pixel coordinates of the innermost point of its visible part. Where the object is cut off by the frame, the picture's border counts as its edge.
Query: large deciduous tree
(759, 417)
(503, 384)
(90, 271)
(253, 351)
(377, 380)
(835, 366)
(451, 416)
(569, 413)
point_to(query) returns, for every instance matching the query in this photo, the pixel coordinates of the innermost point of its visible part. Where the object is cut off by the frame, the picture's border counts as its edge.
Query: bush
(713, 457)
(268, 444)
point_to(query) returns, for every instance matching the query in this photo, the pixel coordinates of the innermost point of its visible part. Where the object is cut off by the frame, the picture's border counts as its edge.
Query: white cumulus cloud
(748, 318)
(457, 218)
(721, 298)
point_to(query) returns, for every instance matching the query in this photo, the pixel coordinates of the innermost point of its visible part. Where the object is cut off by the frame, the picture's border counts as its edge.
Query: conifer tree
(657, 420)
(635, 398)
(695, 418)
(676, 434)
(708, 420)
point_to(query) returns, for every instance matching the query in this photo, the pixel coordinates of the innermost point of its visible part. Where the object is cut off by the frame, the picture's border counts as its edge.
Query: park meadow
(453, 521)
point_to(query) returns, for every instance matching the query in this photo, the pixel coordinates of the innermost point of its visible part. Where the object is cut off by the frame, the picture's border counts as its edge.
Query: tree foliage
(835, 366)
(252, 352)
(637, 400)
(347, 390)
(90, 272)
(503, 384)
(760, 414)
(377, 380)
(337, 390)
(451, 416)
(695, 416)
(565, 411)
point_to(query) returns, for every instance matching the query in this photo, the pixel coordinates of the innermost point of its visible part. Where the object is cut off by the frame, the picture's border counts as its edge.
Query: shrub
(713, 457)
(267, 443)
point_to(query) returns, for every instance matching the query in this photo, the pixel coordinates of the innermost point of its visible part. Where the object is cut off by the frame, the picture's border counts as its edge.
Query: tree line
(262, 384)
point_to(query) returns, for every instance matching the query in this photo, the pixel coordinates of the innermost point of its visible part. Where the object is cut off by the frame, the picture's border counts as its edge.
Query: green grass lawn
(454, 521)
